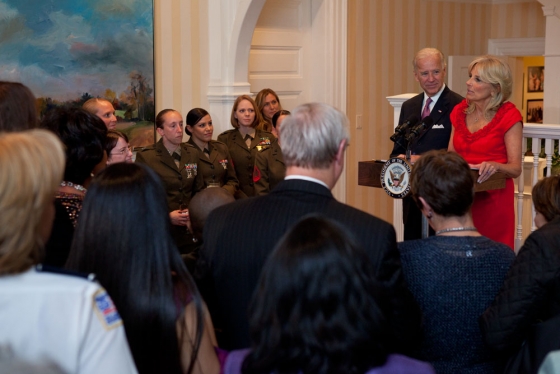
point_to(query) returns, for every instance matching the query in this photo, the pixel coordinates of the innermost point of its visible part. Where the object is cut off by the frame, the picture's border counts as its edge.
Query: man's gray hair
(310, 136)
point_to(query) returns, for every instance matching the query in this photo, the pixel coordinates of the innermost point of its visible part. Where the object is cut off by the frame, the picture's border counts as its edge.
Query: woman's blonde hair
(31, 168)
(496, 72)
(92, 105)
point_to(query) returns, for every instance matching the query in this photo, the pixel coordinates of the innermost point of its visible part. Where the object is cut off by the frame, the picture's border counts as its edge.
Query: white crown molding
(516, 47)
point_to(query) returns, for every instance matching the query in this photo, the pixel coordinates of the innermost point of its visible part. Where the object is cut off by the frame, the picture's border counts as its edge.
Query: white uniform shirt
(65, 319)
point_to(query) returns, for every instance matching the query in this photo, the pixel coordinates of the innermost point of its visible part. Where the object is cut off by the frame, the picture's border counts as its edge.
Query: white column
(551, 10)
(230, 27)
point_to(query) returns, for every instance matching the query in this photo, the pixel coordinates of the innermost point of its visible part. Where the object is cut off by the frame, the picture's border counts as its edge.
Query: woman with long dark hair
(83, 135)
(123, 236)
(319, 309)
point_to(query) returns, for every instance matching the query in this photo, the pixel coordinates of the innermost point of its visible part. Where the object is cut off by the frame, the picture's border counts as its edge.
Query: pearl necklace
(78, 187)
(453, 229)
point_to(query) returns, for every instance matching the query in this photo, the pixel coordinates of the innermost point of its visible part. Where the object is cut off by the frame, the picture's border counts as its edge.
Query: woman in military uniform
(176, 163)
(215, 166)
(269, 164)
(268, 103)
(245, 140)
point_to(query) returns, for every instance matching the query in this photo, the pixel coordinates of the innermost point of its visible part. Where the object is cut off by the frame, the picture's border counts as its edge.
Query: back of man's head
(203, 203)
(312, 134)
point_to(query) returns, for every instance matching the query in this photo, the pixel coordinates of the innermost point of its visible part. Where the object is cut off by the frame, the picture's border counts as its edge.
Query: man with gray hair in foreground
(238, 237)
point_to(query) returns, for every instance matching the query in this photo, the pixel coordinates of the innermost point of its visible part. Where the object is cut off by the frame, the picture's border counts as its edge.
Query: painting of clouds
(67, 51)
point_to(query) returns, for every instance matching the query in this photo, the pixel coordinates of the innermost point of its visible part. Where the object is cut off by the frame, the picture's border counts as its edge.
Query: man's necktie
(426, 111)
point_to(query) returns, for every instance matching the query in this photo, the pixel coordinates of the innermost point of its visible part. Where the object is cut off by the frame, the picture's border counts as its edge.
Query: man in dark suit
(429, 70)
(238, 237)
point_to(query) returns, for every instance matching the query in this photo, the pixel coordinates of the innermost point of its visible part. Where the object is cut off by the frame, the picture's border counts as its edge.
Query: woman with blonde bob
(487, 132)
(245, 140)
(35, 303)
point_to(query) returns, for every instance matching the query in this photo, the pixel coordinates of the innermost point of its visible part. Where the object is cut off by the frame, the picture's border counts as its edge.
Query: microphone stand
(410, 140)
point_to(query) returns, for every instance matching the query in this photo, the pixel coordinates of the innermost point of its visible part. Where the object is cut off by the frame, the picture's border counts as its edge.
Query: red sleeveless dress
(493, 211)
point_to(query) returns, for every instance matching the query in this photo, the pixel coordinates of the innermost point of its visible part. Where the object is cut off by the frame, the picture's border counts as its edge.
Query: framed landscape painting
(68, 51)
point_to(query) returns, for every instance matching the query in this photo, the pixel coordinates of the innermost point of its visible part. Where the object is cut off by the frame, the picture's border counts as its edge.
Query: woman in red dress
(487, 132)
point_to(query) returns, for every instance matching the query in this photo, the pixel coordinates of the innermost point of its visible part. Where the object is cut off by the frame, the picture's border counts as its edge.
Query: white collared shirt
(435, 98)
(306, 178)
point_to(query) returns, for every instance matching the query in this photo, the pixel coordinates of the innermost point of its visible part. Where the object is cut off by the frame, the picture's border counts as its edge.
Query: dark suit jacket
(218, 168)
(180, 184)
(243, 157)
(269, 168)
(436, 137)
(238, 237)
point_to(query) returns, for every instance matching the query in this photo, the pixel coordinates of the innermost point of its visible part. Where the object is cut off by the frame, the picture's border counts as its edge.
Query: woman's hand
(179, 217)
(486, 169)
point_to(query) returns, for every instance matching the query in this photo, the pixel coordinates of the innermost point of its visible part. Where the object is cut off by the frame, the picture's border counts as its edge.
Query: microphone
(419, 128)
(401, 129)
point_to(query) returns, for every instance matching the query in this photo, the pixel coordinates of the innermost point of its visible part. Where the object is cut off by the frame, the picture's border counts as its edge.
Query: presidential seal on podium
(395, 177)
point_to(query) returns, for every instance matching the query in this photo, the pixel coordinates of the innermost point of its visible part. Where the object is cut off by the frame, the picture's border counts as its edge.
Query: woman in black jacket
(531, 291)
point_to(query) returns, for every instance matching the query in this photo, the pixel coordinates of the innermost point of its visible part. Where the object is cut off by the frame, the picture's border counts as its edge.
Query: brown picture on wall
(535, 79)
(535, 111)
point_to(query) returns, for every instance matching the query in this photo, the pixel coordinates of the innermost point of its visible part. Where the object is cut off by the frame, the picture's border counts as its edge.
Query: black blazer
(436, 137)
(238, 238)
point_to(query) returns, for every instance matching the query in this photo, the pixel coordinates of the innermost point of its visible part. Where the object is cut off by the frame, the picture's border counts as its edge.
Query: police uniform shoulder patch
(106, 310)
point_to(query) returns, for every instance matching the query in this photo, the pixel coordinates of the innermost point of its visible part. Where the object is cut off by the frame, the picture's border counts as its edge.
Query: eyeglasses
(122, 151)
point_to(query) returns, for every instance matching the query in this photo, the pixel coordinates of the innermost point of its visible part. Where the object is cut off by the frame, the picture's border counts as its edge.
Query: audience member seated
(238, 237)
(268, 103)
(46, 315)
(245, 140)
(269, 163)
(318, 309)
(103, 109)
(117, 147)
(83, 136)
(18, 107)
(176, 163)
(199, 208)
(215, 163)
(456, 274)
(202, 204)
(123, 236)
(531, 291)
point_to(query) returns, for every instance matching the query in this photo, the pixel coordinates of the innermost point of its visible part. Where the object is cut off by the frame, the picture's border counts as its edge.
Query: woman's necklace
(78, 187)
(453, 229)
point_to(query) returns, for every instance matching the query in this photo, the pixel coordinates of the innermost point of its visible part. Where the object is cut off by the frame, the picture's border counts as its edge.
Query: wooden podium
(369, 174)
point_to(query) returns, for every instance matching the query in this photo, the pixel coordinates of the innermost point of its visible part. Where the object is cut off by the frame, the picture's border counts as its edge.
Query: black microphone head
(413, 119)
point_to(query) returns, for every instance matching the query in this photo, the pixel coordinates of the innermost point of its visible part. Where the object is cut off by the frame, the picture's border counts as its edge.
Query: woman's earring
(429, 215)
